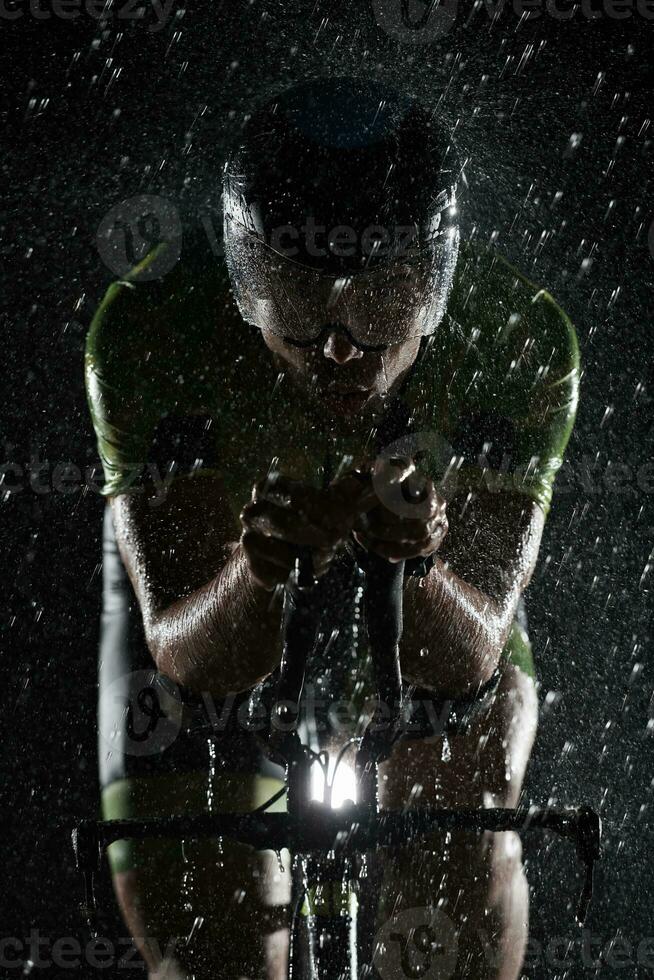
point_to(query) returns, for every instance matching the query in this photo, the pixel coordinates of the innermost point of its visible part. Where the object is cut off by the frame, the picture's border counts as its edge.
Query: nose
(339, 349)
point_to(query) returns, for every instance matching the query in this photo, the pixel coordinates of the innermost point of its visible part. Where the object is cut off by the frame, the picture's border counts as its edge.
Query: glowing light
(344, 785)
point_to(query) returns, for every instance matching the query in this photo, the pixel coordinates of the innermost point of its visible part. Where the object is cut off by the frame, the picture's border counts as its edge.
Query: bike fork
(324, 926)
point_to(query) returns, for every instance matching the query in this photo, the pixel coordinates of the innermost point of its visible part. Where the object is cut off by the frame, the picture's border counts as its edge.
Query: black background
(80, 137)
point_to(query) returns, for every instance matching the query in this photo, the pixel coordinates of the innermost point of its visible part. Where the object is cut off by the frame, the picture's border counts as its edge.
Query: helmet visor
(403, 299)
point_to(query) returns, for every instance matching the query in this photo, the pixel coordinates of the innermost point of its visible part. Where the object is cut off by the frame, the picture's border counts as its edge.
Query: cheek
(290, 357)
(396, 361)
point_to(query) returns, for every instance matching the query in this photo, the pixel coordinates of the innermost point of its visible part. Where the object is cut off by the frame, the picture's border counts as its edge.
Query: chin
(349, 414)
(346, 405)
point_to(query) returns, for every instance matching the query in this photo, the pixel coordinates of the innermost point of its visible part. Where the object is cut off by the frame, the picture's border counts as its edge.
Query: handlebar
(353, 829)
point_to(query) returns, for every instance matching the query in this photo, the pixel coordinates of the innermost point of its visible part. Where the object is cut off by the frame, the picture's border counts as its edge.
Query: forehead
(272, 267)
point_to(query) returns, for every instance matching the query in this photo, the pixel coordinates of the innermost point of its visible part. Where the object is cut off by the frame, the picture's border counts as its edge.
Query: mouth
(345, 401)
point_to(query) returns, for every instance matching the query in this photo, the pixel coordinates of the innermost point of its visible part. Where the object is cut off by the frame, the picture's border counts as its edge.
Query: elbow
(167, 659)
(493, 638)
(469, 656)
(171, 656)
(203, 670)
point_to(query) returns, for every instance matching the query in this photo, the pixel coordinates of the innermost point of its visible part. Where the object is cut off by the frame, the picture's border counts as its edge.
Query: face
(338, 377)
(340, 363)
(347, 340)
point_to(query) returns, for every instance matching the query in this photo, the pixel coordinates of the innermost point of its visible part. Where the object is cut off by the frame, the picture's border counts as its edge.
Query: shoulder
(502, 371)
(158, 321)
(504, 314)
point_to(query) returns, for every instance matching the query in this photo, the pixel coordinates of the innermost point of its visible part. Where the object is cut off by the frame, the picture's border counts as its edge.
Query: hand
(284, 515)
(411, 522)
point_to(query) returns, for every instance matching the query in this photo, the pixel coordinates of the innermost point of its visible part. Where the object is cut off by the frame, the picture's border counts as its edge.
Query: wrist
(419, 568)
(239, 575)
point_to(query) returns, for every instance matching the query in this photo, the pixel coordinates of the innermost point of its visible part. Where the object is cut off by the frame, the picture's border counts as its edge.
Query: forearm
(224, 637)
(453, 632)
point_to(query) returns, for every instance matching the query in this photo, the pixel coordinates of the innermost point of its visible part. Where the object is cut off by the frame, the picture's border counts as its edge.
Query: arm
(207, 588)
(510, 399)
(462, 613)
(209, 625)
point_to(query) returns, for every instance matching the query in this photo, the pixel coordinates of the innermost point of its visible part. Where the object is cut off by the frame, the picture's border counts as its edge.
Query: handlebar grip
(300, 620)
(303, 576)
(383, 604)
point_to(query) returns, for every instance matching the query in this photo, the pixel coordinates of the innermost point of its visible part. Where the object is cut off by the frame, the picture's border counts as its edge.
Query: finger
(415, 497)
(286, 493)
(396, 550)
(274, 560)
(322, 560)
(278, 553)
(274, 485)
(345, 503)
(264, 573)
(332, 512)
(420, 492)
(378, 525)
(393, 469)
(277, 522)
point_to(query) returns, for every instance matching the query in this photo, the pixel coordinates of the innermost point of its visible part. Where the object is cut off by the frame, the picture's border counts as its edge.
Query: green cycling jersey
(494, 393)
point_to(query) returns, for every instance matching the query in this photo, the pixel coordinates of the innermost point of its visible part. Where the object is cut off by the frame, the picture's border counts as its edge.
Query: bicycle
(329, 846)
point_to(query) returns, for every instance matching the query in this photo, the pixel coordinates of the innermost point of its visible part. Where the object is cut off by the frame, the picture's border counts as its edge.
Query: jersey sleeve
(122, 410)
(134, 372)
(512, 393)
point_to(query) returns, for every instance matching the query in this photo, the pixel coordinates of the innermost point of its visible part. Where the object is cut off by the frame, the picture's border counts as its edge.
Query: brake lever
(303, 577)
(589, 850)
(383, 608)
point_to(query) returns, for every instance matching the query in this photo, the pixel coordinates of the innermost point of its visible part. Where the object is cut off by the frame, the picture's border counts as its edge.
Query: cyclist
(347, 325)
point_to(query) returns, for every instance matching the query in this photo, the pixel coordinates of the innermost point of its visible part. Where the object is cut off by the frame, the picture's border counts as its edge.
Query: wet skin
(341, 378)
(215, 595)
